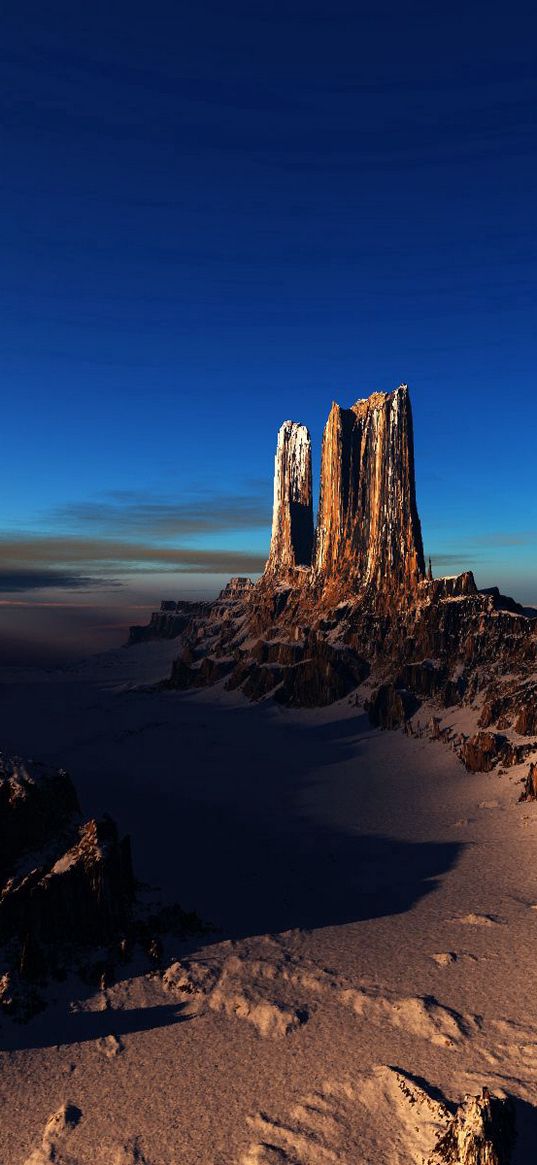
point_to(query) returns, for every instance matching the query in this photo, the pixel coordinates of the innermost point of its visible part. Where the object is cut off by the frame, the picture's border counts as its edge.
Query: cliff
(368, 530)
(168, 622)
(292, 521)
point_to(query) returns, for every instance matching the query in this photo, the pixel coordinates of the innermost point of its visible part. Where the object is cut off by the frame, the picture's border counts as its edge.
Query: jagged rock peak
(292, 520)
(368, 525)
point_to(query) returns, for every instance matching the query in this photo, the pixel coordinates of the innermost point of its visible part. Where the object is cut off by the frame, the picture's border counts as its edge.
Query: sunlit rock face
(292, 520)
(368, 527)
(356, 604)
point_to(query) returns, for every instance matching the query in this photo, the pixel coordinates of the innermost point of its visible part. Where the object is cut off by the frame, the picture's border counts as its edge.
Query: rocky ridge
(365, 608)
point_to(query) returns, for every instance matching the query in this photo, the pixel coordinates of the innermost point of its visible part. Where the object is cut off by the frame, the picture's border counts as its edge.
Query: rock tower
(292, 520)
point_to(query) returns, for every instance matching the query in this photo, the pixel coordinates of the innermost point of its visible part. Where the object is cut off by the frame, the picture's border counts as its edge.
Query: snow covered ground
(375, 910)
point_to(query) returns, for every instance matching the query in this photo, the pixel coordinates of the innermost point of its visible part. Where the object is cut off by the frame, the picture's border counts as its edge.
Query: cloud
(17, 581)
(127, 514)
(45, 553)
(127, 533)
(473, 549)
(454, 559)
(507, 538)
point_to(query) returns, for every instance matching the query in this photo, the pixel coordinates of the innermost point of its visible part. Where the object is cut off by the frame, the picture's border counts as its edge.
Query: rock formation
(292, 519)
(168, 622)
(482, 1132)
(64, 885)
(355, 602)
(529, 792)
(368, 529)
(56, 1137)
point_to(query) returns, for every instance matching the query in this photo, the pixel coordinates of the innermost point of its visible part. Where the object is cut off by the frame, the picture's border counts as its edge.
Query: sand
(375, 914)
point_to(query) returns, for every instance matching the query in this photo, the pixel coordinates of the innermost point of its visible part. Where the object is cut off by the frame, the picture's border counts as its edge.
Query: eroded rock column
(368, 526)
(292, 519)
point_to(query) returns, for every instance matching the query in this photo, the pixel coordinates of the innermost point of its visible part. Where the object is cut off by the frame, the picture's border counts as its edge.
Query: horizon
(90, 625)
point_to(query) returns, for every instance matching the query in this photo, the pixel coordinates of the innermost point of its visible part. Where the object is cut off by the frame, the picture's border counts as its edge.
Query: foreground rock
(482, 1132)
(55, 1143)
(65, 885)
(529, 792)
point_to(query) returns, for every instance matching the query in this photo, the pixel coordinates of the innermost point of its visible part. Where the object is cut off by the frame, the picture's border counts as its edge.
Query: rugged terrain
(352, 601)
(362, 992)
(374, 915)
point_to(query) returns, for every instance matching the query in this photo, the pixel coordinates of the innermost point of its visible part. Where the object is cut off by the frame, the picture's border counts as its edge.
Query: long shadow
(237, 838)
(226, 833)
(526, 1133)
(52, 1028)
(259, 879)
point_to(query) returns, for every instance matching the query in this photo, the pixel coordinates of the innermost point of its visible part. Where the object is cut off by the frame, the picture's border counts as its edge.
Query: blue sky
(215, 217)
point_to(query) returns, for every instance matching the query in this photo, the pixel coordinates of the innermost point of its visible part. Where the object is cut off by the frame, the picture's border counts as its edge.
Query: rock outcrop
(64, 885)
(529, 792)
(482, 1132)
(356, 601)
(37, 804)
(292, 519)
(167, 623)
(368, 531)
(390, 706)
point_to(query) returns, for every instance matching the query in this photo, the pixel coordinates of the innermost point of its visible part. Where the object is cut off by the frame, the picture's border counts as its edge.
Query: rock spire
(368, 527)
(292, 521)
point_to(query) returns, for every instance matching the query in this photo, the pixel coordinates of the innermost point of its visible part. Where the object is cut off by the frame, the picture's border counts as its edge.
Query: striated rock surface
(368, 529)
(292, 520)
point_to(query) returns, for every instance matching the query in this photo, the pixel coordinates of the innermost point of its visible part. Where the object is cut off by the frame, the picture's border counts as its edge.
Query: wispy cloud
(125, 533)
(127, 514)
(41, 556)
(507, 538)
(464, 559)
(20, 581)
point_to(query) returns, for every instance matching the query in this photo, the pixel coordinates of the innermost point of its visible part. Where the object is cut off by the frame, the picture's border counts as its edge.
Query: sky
(215, 217)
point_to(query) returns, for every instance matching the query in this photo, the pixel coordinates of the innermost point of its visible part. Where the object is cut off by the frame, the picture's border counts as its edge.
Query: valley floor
(375, 914)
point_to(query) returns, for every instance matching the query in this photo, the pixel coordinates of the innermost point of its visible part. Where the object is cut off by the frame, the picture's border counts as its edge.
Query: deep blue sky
(217, 216)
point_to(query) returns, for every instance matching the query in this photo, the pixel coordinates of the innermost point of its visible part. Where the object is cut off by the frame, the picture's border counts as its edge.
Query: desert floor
(374, 950)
